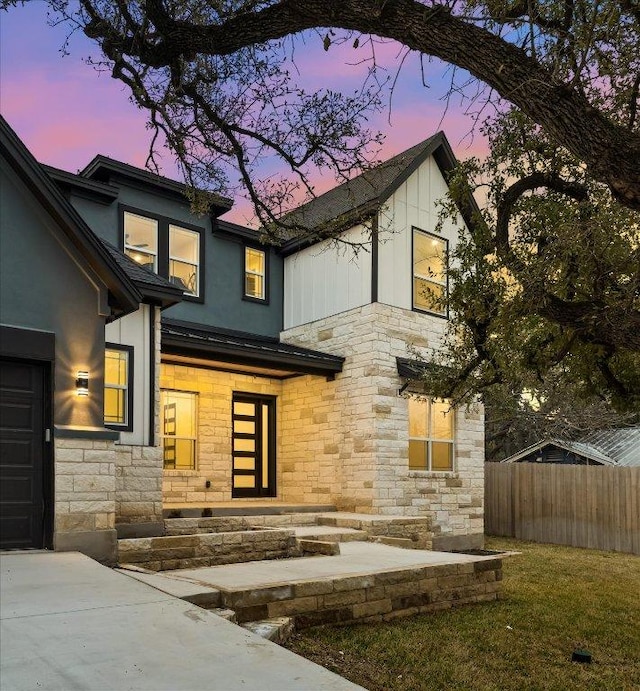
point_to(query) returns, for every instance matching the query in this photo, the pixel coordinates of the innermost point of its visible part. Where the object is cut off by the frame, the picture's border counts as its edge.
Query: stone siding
(138, 484)
(85, 492)
(213, 463)
(371, 598)
(208, 549)
(355, 441)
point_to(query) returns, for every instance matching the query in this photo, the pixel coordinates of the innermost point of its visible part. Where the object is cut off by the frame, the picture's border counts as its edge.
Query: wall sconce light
(82, 383)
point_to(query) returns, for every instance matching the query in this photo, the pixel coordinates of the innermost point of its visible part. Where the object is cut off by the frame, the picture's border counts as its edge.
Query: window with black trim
(179, 429)
(169, 248)
(429, 272)
(118, 387)
(255, 274)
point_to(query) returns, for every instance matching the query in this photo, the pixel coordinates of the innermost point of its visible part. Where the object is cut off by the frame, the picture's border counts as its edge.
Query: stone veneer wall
(85, 491)
(215, 391)
(352, 437)
(138, 469)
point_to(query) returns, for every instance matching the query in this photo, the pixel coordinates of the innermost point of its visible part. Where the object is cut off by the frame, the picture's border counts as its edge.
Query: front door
(253, 423)
(22, 455)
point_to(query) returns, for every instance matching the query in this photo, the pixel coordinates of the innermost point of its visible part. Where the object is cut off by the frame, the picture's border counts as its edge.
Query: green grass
(557, 599)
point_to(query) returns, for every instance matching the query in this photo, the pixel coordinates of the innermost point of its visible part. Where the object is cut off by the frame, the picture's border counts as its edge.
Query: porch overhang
(416, 372)
(249, 351)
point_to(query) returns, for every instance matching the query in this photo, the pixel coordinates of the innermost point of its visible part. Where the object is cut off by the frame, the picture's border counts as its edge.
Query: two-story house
(283, 374)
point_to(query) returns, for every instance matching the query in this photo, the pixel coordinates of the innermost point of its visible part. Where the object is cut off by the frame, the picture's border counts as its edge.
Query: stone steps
(276, 630)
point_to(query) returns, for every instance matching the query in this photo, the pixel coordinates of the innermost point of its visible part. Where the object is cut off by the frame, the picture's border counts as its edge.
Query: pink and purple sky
(66, 112)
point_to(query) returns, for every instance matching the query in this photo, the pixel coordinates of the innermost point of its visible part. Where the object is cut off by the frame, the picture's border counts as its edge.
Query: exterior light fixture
(82, 383)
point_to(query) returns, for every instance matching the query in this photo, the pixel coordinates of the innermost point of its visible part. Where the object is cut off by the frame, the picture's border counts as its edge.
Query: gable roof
(102, 168)
(124, 296)
(360, 198)
(614, 447)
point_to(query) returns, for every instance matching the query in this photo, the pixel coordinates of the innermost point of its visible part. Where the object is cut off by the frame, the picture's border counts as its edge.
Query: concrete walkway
(67, 623)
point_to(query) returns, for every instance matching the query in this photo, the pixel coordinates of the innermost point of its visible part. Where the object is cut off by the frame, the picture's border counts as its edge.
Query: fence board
(585, 506)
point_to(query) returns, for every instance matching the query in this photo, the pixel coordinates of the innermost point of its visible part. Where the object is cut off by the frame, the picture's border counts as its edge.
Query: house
(226, 371)
(612, 447)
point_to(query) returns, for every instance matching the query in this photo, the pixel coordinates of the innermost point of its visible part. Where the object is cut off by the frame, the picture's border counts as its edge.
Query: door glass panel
(265, 446)
(244, 463)
(244, 427)
(243, 408)
(244, 445)
(244, 481)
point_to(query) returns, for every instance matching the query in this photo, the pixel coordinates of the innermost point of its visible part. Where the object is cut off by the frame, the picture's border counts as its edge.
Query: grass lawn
(557, 599)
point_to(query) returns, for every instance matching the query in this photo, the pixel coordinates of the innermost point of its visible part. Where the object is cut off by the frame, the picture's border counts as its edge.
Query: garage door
(22, 455)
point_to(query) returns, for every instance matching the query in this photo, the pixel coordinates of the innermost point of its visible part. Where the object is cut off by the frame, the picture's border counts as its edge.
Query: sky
(66, 112)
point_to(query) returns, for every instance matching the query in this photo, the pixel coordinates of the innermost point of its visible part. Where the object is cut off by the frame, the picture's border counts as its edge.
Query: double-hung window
(184, 259)
(118, 386)
(429, 272)
(166, 247)
(179, 429)
(431, 435)
(255, 274)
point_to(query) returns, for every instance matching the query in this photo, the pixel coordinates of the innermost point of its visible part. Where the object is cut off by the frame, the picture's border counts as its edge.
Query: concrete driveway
(67, 622)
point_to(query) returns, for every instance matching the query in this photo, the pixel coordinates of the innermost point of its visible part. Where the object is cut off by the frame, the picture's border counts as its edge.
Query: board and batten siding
(414, 203)
(327, 278)
(135, 330)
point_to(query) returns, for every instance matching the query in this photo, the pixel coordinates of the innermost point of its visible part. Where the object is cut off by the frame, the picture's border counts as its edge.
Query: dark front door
(22, 455)
(253, 423)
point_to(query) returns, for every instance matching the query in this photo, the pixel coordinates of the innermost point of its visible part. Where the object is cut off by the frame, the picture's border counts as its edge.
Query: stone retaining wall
(209, 549)
(371, 598)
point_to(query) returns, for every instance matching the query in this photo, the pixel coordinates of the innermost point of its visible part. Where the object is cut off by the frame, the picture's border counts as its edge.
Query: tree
(549, 280)
(546, 287)
(210, 73)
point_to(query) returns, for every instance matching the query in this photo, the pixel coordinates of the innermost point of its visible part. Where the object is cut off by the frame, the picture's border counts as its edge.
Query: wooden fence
(585, 506)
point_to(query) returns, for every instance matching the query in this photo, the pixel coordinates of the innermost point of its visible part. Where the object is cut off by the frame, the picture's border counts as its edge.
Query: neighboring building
(613, 447)
(283, 374)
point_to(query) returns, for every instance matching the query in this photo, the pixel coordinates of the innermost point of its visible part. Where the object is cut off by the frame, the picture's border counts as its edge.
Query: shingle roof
(363, 192)
(149, 283)
(240, 346)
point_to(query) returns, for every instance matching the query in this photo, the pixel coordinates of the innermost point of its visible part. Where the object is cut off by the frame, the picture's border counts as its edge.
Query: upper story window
(170, 249)
(255, 274)
(141, 240)
(184, 259)
(431, 435)
(118, 386)
(429, 272)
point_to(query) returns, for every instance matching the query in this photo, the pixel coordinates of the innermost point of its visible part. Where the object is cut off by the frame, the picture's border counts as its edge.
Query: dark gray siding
(42, 287)
(223, 305)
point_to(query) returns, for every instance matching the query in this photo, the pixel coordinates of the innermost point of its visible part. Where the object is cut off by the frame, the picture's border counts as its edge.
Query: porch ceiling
(218, 345)
(228, 366)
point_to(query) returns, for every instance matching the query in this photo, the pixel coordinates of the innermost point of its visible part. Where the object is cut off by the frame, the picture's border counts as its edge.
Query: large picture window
(118, 386)
(166, 247)
(255, 274)
(179, 429)
(431, 435)
(429, 272)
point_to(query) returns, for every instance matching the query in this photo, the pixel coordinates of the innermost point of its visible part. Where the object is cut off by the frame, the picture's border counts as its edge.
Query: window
(429, 272)
(431, 435)
(255, 277)
(141, 240)
(118, 386)
(179, 429)
(170, 249)
(184, 258)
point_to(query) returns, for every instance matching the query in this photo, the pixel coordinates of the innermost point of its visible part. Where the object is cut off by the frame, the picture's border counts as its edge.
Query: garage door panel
(17, 490)
(21, 377)
(17, 416)
(14, 528)
(17, 452)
